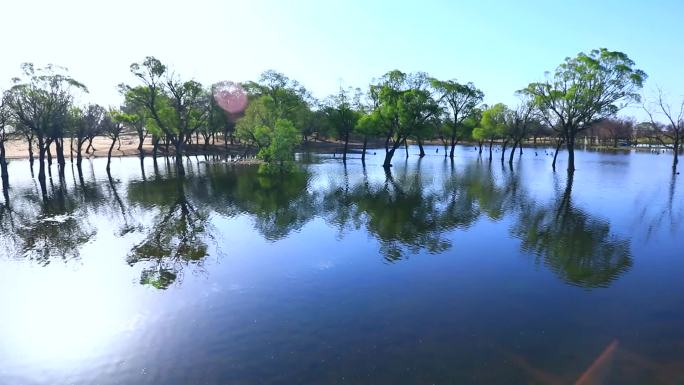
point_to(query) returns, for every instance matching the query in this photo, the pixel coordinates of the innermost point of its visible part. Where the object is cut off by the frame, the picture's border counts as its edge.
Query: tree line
(270, 117)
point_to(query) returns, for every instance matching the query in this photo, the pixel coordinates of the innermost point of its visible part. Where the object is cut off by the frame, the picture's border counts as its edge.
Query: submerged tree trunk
(3, 166)
(571, 153)
(109, 155)
(510, 158)
(79, 150)
(675, 160)
(406, 147)
(555, 154)
(491, 143)
(480, 143)
(363, 152)
(420, 147)
(503, 150)
(346, 146)
(179, 156)
(453, 146)
(29, 139)
(41, 159)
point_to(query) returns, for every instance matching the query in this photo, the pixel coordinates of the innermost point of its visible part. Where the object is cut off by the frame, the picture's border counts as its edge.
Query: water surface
(437, 272)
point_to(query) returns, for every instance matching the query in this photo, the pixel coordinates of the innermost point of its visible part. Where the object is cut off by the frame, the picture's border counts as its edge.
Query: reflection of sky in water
(437, 274)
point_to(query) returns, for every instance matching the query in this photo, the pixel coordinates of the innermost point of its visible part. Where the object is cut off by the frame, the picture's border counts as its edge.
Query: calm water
(439, 273)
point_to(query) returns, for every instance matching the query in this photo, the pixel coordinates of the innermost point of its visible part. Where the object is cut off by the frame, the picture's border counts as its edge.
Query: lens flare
(230, 97)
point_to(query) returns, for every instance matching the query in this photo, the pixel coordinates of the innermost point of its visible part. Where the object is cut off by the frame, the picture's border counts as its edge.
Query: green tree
(341, 111)
(585, 89)
(459, 101)
(279, 154)
(492, 125)
(40, 103)
(404, 104)
(177, 108)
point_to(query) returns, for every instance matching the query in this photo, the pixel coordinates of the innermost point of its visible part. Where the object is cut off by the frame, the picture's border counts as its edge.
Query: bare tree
(668, 134)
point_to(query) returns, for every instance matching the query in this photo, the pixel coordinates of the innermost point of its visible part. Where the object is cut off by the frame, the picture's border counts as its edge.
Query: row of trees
(271, 116)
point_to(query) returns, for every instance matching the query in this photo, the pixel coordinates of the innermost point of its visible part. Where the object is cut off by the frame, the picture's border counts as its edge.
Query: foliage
(282, 141)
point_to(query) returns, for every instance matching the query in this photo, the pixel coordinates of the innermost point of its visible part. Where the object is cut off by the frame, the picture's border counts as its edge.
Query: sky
(499, 45)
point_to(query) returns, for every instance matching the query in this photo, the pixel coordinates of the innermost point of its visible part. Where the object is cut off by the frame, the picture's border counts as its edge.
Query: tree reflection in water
(177, 236)
(408, 212)
(576, 246)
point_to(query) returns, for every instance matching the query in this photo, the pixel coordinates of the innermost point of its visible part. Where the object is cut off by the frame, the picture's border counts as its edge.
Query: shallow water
(439, 272)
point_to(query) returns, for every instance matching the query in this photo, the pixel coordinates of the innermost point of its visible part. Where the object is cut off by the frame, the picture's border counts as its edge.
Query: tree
(459, 101)
(518, 122)
(288, 97)
(671, 134)
(177, 108)
(4, 135)
(341, 110)
(84, 125)
(403, 105)
(136, 115)
(585, 89)
(279, 154)
(491, 126)
(40, 102)
(112, 126)
(260, 117)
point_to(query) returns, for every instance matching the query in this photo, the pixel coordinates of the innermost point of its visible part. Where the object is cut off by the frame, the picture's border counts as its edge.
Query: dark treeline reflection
(409, 211)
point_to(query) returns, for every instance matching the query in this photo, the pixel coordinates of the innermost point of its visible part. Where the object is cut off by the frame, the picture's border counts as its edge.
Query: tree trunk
(571, 153)
(346, 145)
(79, 149)
(41, 160)
(363, 152)
(90, 145)
(59, 148)
(420, 147)
(109, 155)
(30, 152)
(389, 152)
(491, 143)
(49, 153)
(141, 141)
(675, 160)
(388, 158)
(406, 147)
(155, 146)
(503, 150)
(179, 157)
(480, 143)
(555, 154)
(3, 166)
(510, 158)
(520, 146)
(453, 146)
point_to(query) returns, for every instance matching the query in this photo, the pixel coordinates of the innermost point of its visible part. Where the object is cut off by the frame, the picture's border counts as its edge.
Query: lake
(439, 272)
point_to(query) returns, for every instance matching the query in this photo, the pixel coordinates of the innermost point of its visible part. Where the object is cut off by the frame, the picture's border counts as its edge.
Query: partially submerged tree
(177, 108)
(341, 111)
(112, 127)
(40, 102)
(491, 126)
(670, 135)
(585, 89)
(459, 101)
(404, 105)
(4, 136)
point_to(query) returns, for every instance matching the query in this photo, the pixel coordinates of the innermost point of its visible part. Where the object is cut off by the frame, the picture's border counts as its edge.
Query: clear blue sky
(499, 45)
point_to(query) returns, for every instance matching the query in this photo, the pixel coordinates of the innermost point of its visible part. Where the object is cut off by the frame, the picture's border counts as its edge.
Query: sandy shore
(18, 149)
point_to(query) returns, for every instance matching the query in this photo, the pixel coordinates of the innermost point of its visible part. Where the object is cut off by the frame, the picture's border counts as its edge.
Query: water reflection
(177, 236)
(405, 211)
